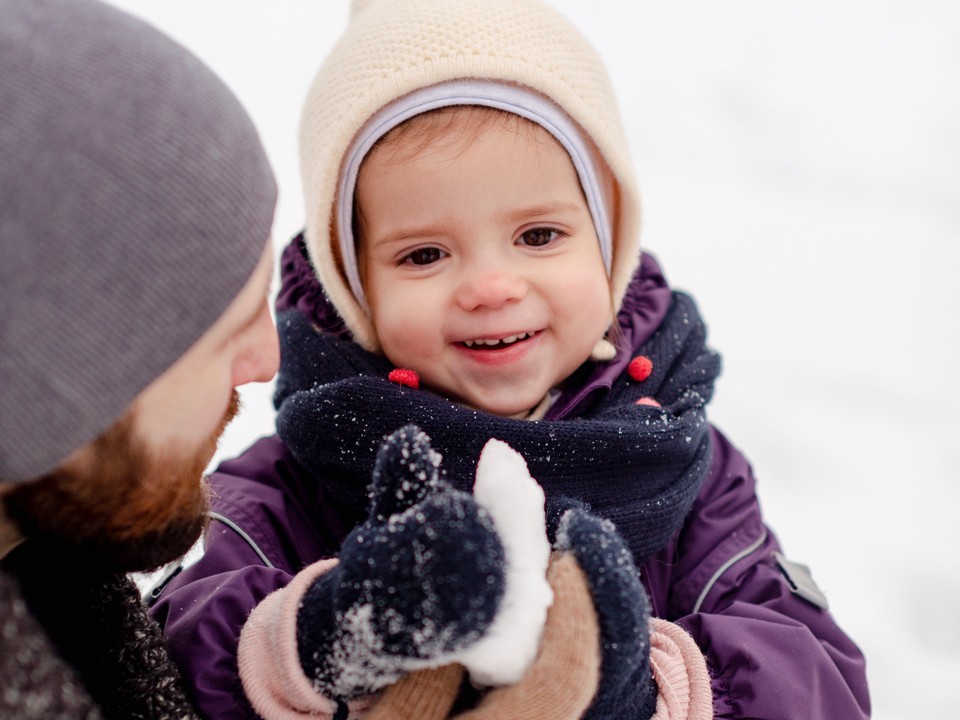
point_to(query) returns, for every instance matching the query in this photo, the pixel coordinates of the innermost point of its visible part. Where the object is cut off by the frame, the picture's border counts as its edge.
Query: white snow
(800, 163)
(358, 653)
(515, 501)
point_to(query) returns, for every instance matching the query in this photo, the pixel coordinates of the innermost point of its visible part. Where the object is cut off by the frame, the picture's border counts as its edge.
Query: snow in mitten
(515, 501)
(626, 686)
(422, 578)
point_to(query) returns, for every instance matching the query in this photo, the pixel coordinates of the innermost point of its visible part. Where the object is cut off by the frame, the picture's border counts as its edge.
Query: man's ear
(10, 535)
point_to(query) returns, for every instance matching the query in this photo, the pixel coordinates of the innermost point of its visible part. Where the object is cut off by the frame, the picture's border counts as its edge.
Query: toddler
(471, 266)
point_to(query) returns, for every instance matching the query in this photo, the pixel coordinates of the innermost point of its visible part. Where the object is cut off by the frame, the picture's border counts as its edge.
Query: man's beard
(129, 508)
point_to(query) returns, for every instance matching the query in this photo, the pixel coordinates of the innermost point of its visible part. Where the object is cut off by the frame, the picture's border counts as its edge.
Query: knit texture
(680, 671)
(35, 682)
(424, 694)
(100, 628)
(135, 202)
(637, 465)
(623, 609)
(393, 47)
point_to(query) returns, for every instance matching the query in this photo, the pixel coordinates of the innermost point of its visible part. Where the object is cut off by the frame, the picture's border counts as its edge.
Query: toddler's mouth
(497, 343)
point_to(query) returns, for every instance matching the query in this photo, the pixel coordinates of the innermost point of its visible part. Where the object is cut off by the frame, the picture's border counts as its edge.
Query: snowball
(515, 501)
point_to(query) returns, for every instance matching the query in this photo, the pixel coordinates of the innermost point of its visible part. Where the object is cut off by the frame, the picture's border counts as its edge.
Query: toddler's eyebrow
(514, 215)
(550, 208)
(407, 233)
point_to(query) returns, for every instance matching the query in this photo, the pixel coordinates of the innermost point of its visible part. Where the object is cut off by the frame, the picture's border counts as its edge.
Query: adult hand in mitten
(416, 583)
(626, 689)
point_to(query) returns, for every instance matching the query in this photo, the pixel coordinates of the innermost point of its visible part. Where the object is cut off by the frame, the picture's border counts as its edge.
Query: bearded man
(135, 210)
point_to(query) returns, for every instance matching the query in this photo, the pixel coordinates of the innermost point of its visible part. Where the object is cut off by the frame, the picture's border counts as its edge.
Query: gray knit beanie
(135, 202)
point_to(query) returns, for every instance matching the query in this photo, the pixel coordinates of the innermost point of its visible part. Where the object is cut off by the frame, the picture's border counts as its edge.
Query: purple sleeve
(771, 653)
(202, 610)
(202, 618)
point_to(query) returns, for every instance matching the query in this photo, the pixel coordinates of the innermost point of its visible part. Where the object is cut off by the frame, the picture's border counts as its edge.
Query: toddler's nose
(490, 289)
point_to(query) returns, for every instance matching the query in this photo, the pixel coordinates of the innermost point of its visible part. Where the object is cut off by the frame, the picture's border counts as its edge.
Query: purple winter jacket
(771, 652)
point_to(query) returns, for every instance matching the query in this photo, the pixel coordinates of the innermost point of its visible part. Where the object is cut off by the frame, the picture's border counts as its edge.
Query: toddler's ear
(406, 471)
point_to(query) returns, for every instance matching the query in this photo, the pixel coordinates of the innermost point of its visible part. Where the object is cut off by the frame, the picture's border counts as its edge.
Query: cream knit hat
(394, 47)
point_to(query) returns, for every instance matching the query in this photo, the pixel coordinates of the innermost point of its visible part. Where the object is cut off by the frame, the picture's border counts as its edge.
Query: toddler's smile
(497, 343)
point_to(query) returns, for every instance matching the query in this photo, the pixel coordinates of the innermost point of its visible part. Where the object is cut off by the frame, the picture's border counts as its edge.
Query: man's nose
(259, 356)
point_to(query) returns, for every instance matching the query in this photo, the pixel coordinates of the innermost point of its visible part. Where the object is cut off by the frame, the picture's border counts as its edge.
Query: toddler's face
(482, 267)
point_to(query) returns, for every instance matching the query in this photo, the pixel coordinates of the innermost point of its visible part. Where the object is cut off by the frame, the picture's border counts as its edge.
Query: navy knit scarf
(637, 465)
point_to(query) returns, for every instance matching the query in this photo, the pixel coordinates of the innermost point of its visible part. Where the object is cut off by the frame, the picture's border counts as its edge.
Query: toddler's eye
(538, 237)
(423, 256)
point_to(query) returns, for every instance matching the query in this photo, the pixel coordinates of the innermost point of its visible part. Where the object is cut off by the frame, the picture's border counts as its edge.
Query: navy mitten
(421, 579)
(627, 688)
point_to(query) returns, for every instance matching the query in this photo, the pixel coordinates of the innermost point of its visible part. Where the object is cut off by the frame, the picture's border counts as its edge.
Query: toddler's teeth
(509, 340)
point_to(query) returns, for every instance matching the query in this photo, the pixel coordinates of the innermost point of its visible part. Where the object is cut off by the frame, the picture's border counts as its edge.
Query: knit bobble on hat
(603, 351)
(358, 6)
(394, 47)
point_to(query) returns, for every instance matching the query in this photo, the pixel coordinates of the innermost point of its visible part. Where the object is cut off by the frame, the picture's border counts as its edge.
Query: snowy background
(800, 167)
